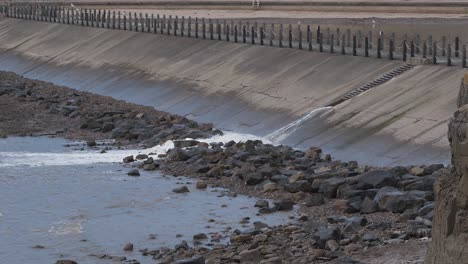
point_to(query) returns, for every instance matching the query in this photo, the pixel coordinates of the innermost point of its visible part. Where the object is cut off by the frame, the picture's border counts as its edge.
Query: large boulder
(380, 178)
(392, 200)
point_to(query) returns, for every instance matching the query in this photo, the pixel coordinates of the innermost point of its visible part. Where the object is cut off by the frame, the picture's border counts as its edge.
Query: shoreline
(346, 208)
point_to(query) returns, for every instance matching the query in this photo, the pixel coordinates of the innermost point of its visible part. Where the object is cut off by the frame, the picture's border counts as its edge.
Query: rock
(38, 247)
(317, 252)
(66, 261)
(392, 200)
(260, 225)
(177, 154)
(351, 248)
(313, 153)
(298, 186)
(182, 246)
(141, 156)
(260, 238)
(262, 204)
(183, 189)
(270, 187)
(297, 177)
(325, 234)
(134, 172)
(354, 224)
(201, 185)
(370, 236)
(272, 260)
(368, 206)
(417, 171)
(432, 168)
(284, 205)
(250, 256)
(329, 186)
(185, 143)
(107, 127)
(128, 159)
(200, 236)
(193, 260)
(379, 179)
(315, 199)
(150, 167)
(332, 245)
(128, 247)
(91, 143)
(216, 171)
(253, 178)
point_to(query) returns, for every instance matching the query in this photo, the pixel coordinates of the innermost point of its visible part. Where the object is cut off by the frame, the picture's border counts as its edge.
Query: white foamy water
(284, 132)
(34, 159)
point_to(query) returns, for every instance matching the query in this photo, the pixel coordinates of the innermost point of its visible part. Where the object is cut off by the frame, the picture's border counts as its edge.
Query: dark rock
(91, 143)
(262, 204)
(315, 199)
(368, 206)
(425, 210)
(193, 260)
(253, 178)
(177, 154)
(141, 156)
(185, 143)
(128, 247)
(128, 159)
(325, 234)
(200, 236)
(182, 246)
(284, 205)
(354, 224)
(201, 185)
(66, 261)
(107, 127)
(133, 172)
(299, 186)
(432, 168)
(329, 186)
(182, 189)
(392, 200)
(370, 236)
(279, 179)
(379, 179)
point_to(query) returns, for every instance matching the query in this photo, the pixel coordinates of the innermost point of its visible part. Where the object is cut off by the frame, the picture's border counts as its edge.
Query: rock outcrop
(450, 223)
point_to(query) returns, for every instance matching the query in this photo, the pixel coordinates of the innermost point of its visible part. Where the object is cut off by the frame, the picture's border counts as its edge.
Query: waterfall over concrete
(281, 134)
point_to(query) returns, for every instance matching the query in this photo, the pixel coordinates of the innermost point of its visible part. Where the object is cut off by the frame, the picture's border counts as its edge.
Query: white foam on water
(67, 227)
(281, 134)
(34, 159)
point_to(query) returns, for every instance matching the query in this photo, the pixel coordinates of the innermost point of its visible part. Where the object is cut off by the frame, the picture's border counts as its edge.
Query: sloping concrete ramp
(272, 92)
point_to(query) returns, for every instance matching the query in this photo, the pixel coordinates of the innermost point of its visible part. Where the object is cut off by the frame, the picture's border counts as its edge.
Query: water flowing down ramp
(283, 133)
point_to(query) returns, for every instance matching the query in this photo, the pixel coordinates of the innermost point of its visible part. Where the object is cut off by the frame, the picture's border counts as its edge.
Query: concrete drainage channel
(377, 82)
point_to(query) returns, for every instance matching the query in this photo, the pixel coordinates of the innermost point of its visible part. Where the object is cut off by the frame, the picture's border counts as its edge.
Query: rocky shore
(344, 212)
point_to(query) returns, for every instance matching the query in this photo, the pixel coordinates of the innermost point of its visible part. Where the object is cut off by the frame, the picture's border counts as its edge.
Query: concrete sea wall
(249, 89)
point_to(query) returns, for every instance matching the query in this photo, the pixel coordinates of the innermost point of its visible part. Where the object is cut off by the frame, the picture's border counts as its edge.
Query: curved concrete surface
(250, 89)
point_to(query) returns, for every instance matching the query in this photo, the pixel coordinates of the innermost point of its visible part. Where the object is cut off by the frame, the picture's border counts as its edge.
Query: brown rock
(128, 247)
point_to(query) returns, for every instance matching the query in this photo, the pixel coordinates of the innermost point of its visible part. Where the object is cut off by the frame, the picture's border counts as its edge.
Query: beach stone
(379, 178)
(325, 234)
(262, 204)
(107, 127)
(141, 156)
(332, 245)
(128, 159)
(66, 261)
(368, 206)
(392, 200)
(128, 247)
(253, 178)
(183, 189)
(315, 199)
(417, 171)
(177, 154)
(91, 143)
(200, 236)
(428, 170)
(297, 177)
(185, 143)
(250, 256)
(201, 185)
(298, 186)
(134, 172)
(270, 187)
(284, 205)
(193, 260)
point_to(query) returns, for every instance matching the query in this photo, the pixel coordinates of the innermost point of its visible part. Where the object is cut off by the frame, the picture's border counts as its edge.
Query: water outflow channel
(76, 203)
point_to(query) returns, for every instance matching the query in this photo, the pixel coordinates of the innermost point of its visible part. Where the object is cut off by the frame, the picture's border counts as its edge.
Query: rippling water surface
(76, 203)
